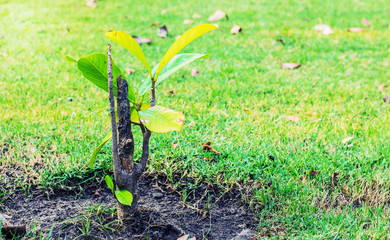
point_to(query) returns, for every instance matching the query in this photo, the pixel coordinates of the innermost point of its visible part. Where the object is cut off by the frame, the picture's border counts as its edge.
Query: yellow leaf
(134, 113)
(128, 42)
(182, 41)
(161, 120)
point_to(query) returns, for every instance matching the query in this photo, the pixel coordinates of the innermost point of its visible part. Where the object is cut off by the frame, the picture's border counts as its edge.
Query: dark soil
(207, 214)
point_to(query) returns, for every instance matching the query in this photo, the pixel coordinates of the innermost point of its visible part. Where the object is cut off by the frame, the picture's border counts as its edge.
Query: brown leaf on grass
(208, 159)
(162, 32)
(386, 98)
(347, 139)
(366, 22)
(174, 145)
(290, 65)
(155, 24)
(188, 22)
(91, 3)
(382, 87)
(196, 15)
(355, 29)
(281, 41)
(141, 40)
(293, 118)
(194, 72)
(334, 178)
(313, 173)
(207, 147)
(129, 71)
(218, 15)
(235, 29)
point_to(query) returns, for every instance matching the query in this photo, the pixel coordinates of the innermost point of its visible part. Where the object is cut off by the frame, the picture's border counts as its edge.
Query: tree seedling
(132, 110)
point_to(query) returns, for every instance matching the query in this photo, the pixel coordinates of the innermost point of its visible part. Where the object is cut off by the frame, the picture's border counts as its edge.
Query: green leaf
(70, 59)
(161, 120)
(125, 197)
(128, 42)
(172, 66)
(181, 42)
(94, 68)
(109, 182)
(97, 150)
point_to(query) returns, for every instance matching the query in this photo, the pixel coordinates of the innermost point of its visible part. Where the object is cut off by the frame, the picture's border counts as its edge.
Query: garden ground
(323, 175)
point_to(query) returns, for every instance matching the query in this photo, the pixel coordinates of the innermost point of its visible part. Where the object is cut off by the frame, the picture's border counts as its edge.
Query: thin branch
(115, 155)
(145, 152)
(146, 136)
(153, 95)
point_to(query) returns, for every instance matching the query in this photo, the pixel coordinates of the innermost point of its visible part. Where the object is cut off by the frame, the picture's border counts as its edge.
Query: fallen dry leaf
(208, 159)
(196, 15)
(155, 24)
(207, 147)
(235, 29)
(303, 180)
(218, 15)
(293, 118)
(281, 41)
(141, 40)
(185, 237)
(334, 178)
(174, 145)
(188, 22)
(96, 194)
(366, 22)
(164, 11)
(162, 32)
(382, 87)
(290, 65)
(129, 71)
(355, 29)
(194, 72)
(313, 173)
(347, 139)
(386, 99)
(325, 29)
(91, 3)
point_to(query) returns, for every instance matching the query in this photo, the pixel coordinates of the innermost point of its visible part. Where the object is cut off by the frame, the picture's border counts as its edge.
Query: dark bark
(127, 179)
(126, 140)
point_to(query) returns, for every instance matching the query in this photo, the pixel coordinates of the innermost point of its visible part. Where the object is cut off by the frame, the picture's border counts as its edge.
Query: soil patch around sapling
(206, 213)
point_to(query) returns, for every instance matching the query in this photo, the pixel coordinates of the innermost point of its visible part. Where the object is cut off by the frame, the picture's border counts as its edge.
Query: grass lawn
(239, 102)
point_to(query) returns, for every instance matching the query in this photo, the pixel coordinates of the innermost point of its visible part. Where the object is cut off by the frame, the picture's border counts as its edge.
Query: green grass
(239, 102)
